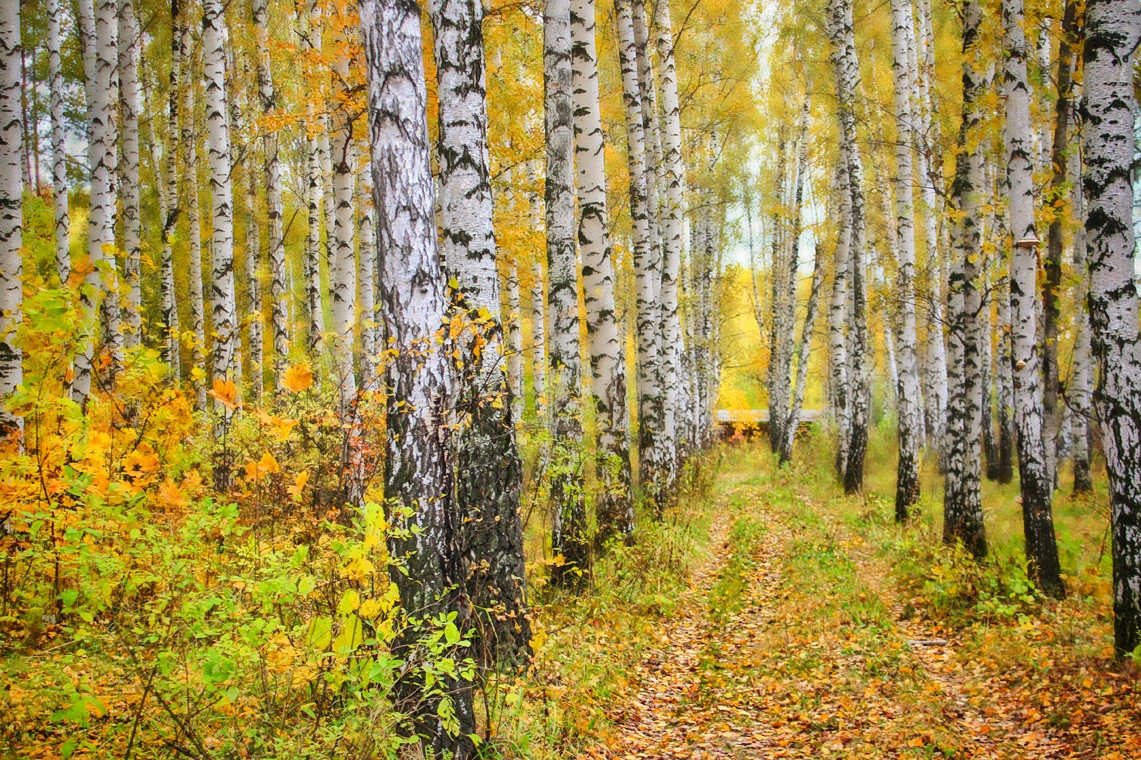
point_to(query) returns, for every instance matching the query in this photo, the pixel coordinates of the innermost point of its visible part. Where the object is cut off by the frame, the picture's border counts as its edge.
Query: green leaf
(451, 634)
(67, 748)
(320, 632)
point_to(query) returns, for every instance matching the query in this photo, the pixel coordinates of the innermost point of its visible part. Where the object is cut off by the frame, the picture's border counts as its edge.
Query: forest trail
(790, 641)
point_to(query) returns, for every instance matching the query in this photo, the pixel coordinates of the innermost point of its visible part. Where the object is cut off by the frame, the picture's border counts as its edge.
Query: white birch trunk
(962, 501)
(1079, 397)
(489, 473)
(1113, 31)
(11, 211)
(672, 176)
(838, 387)
(1034, 474)
(278, 291)
(129, 50)
(98, 30)
(255, 320)
(614, 506)
(538, 340)
(653, 457)
(569, 539)
(370, 318)
(343, 273)
(168, 196)
(58, 141)
(419, 462)
(223, 303)
(860, 358)
(909, 404)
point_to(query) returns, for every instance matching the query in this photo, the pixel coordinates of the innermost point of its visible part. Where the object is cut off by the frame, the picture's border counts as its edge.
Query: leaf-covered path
(791, 641)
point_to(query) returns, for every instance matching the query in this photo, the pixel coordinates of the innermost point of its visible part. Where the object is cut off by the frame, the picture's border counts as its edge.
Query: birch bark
(614, 507)
(1113, 31)
(11, 211)
(488, 471)
(278, 292)
(129, 49)
(962, 501)
(909, 405)
(58, 141)
(569, 539)
(1034, 474)
(418, 466)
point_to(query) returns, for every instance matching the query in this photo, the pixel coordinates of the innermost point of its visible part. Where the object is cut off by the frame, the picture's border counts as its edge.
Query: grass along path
(795, 638)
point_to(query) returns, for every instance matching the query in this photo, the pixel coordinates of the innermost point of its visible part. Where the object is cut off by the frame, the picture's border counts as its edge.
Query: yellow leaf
(298, 486)
(226, 392)
(298, 378)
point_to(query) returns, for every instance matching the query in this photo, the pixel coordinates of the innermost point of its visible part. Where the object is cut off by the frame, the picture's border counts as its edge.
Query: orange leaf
(298, 378)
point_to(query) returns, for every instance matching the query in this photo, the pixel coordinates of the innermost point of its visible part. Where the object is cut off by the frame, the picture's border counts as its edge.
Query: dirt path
(788, 642)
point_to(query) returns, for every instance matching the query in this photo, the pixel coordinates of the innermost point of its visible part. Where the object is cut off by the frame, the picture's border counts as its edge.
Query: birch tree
(847, 83)
(803, 354)
(189, 144)
(1079, 396)
(98, 30)
(1113, 32)
(267, 97)
(838, 387)
(370, 318)
(569, 540)
(223, 302)
(613, 505)
(129, 49)
(672, 176)
(652, 456)
(58, 143)
(962, 501)
(11, 211)
(1035, 477)
(168, 196)
(909, 410)
(418, 465)
(489, 474)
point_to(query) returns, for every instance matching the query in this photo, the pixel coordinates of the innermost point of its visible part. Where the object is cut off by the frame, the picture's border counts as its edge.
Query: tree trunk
(278, 292)
(838, 388)
(418, 466)
(514, 347)
(11, 211)
(343, 273)
(653, 457)
(194, 225)
(909, 406)
(98, 27)
(962, 500)
(1080, 390)
(1005, 375)
(488, 471)
(569, 541)
(538, 339)
(847, 83)
(58, 139)
(129, 48)
(370, 319)
(803, 355)
(1034, 474)
(928, 143)
(613, 507)
(253, 280)
(672, 176)
(223, 303)
(1113, 31)
(315, 315)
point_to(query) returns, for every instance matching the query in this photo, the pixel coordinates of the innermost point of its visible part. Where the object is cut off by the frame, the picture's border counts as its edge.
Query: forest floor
(801, 634)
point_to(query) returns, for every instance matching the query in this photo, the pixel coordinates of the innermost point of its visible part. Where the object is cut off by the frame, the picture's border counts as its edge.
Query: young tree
(1113, 32)
(568, 510)
(370, 318)
(418, 465)
(489, 475)
(1034, 475)
(11, 210)
(962, 500)
(168, 197)
(189, 143)
(538, 336)
(613, 505)
(839, 390)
